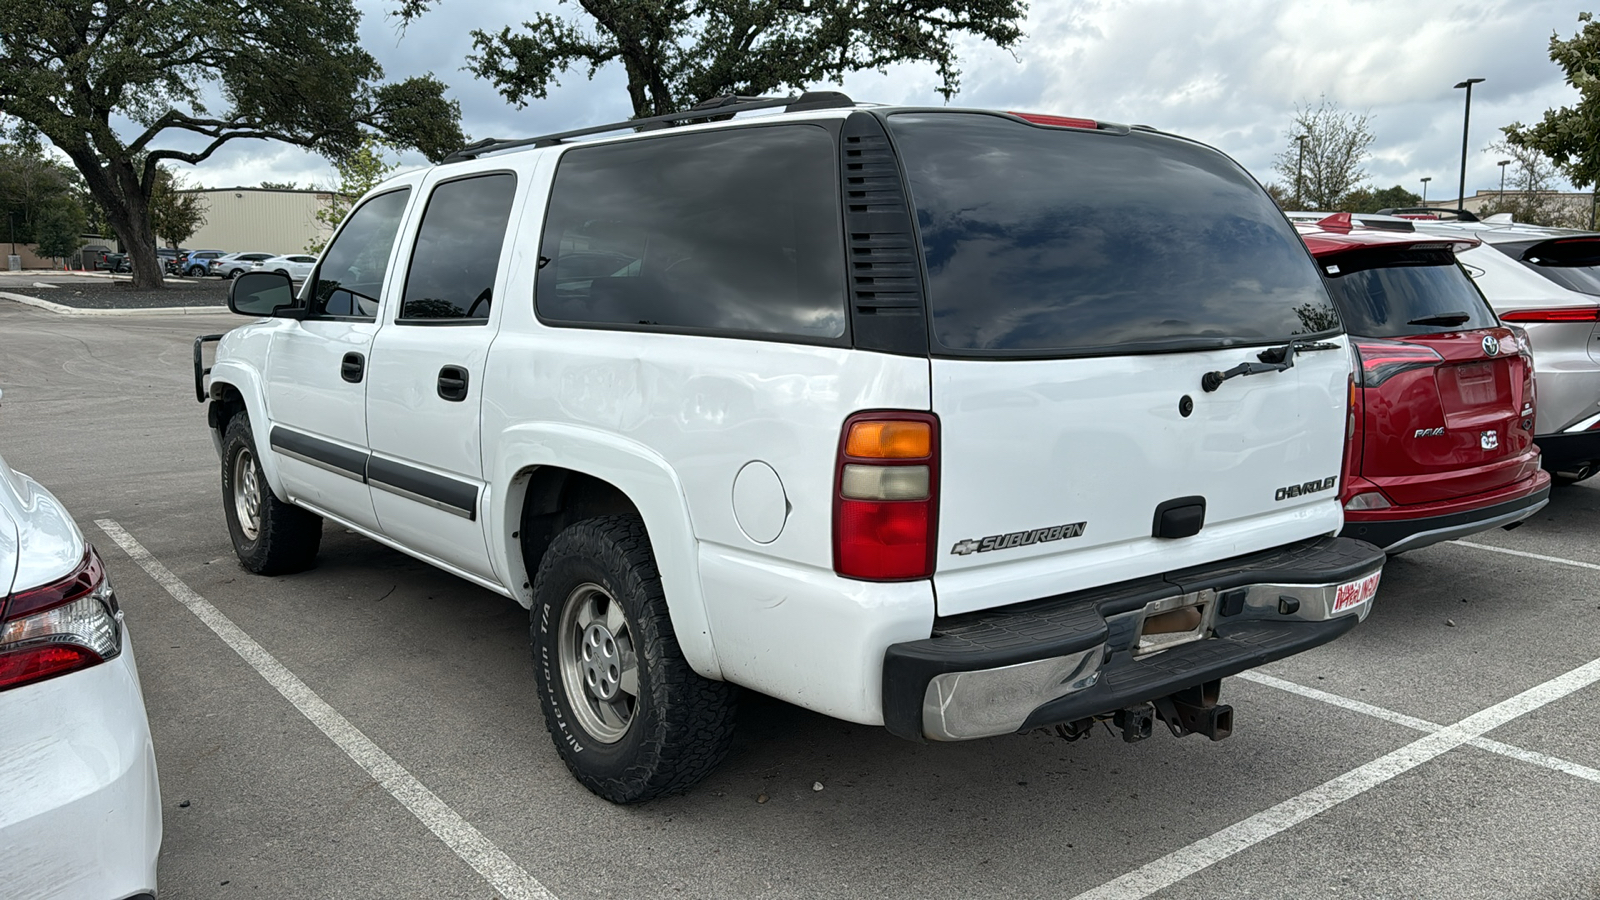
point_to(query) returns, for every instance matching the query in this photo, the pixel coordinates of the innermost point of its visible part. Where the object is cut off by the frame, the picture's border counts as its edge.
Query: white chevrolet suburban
(930, 419)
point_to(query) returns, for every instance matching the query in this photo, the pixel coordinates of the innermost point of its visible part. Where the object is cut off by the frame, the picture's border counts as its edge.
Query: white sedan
(297, 266)
(80, 808)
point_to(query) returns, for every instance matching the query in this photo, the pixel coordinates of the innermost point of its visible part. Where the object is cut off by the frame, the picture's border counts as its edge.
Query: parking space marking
(1186, 861)
(1540, 556)
(1539, 759)
(477, 851)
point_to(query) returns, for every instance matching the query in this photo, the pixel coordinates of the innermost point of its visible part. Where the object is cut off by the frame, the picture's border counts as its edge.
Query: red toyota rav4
(1441, 412)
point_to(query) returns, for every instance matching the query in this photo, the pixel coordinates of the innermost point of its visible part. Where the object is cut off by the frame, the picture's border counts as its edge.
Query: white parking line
(477, 851)
(1186, 861)
(1555, 559)
(1388, 715)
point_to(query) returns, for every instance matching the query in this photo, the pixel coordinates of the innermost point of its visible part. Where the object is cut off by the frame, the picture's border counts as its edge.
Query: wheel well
(556, 498)
(226, 402)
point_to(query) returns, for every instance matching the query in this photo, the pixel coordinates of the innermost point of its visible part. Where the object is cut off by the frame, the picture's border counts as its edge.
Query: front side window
(458, 250)
(734, 231)
(1044, 242)
(350, 279)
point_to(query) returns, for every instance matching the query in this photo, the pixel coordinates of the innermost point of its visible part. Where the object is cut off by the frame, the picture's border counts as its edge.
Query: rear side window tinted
(457, 253)
(1051, 241)
(350, 279)
(1402, 294)
(1573, 263)
(733, 231)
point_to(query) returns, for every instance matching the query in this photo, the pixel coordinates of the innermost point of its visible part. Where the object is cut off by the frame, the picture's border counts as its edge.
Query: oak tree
(123, 86)
(679, 52)
(1570, 136)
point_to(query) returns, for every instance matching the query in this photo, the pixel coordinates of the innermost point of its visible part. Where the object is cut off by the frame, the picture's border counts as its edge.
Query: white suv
(921, 418)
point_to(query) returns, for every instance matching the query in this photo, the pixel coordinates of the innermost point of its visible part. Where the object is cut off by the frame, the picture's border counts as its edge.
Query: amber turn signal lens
(889, 440)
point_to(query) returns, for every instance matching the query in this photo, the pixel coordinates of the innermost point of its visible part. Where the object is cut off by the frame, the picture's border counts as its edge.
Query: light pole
(1502, 164)
(1300, 173)
(1466, 118)
(1425, 180)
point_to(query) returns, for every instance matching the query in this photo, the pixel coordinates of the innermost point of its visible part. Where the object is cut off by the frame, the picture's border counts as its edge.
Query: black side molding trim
(441, 491)
(318, 452)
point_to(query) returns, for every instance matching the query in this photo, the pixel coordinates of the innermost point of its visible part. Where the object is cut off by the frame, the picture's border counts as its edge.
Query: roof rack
(1442, 213)
(717, 107)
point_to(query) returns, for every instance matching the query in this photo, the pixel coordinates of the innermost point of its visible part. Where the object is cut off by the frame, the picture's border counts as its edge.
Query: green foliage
(1531, 193)
(679, 52)
(279, 186)
(30, 184)
(59, 229)
(1335, 149)
(175, 213)
(1366, 200)
(1570, 136)
(359, 172)
(287, 70)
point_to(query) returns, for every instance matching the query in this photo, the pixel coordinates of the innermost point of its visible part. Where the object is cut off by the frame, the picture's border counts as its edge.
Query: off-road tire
(682, 724)
(288, 536)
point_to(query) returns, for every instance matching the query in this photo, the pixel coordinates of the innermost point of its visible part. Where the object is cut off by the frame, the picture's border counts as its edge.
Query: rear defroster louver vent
(886, 307)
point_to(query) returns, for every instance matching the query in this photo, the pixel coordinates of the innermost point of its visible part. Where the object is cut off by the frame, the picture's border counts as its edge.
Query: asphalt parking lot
(369, 728)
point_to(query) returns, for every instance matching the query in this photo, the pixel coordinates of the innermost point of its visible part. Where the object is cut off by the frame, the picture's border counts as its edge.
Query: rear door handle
(352, 367)
(453, 384)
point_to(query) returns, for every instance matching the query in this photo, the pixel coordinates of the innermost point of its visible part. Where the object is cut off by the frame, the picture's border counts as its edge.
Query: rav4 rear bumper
(1076, 656)
(1401, 528)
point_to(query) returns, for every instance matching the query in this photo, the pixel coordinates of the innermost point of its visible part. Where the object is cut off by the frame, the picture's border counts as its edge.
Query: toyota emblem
(1491, 345)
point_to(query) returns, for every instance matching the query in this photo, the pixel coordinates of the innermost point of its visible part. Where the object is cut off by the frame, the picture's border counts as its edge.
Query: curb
(62, 310)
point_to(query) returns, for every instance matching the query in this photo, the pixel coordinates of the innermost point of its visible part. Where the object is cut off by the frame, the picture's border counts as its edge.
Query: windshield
(1051, 241)
(1397, 294)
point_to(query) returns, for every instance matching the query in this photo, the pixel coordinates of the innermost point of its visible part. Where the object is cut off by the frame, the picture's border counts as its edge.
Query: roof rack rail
(1443, 213)
(717, 107)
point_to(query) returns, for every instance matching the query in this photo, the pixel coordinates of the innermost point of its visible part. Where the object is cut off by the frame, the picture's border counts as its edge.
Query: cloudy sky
(1229, 74)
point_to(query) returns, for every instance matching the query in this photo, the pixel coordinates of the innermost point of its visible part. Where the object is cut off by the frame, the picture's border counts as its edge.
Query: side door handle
(453, 384)
(352, 367)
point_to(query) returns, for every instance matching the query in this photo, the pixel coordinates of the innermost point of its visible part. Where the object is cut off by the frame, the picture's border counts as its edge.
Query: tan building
(1575, 207)
(245, 219)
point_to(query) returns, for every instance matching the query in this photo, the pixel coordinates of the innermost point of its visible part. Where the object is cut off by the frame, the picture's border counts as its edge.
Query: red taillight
(1382, 360)
(1057, 121)
(1562, 314)
(70, 624)
(886, 500)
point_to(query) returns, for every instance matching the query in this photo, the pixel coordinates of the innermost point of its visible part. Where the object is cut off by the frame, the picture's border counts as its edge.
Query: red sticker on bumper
(1356, 592)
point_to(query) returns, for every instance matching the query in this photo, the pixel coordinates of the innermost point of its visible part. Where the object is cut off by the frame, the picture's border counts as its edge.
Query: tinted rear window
(734, 231)
(1572, 263)
(1399, 294)
(1046, 241)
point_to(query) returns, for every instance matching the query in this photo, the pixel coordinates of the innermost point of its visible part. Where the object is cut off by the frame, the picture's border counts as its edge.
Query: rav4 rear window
(1400, 294)
(1051, 241)
(735, 231)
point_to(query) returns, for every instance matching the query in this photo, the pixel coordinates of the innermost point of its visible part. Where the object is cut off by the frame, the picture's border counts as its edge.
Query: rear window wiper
(1447, 318)
(1273, 359)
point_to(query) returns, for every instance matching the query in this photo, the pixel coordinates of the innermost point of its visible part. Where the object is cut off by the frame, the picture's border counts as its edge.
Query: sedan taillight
(886, 496)
(64, 626)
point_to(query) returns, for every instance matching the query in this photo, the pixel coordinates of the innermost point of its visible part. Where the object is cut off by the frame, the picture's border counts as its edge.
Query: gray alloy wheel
(598, 665)
(247, 494)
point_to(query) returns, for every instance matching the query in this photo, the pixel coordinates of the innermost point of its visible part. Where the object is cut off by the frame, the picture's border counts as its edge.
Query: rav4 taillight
(886, 496)
(1381, 360)
(61, 627)
(1561, 314)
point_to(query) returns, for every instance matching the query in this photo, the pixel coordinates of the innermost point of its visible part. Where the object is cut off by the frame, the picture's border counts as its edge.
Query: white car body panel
(80, 811)
(80, 802)
(1037, 444)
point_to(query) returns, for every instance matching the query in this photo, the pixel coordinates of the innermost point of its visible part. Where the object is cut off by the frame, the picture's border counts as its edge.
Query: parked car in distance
(296, 265)
(230, 265)
(80, 811)
(197, 263)
(1442, 408)
(169, 257)
(760, 429)
(1546, 281)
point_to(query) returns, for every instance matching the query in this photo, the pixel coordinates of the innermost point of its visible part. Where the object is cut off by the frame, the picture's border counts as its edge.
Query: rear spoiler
(1429, 212)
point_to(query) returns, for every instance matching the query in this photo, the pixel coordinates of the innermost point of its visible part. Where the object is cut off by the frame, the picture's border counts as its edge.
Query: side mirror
(260, 293)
